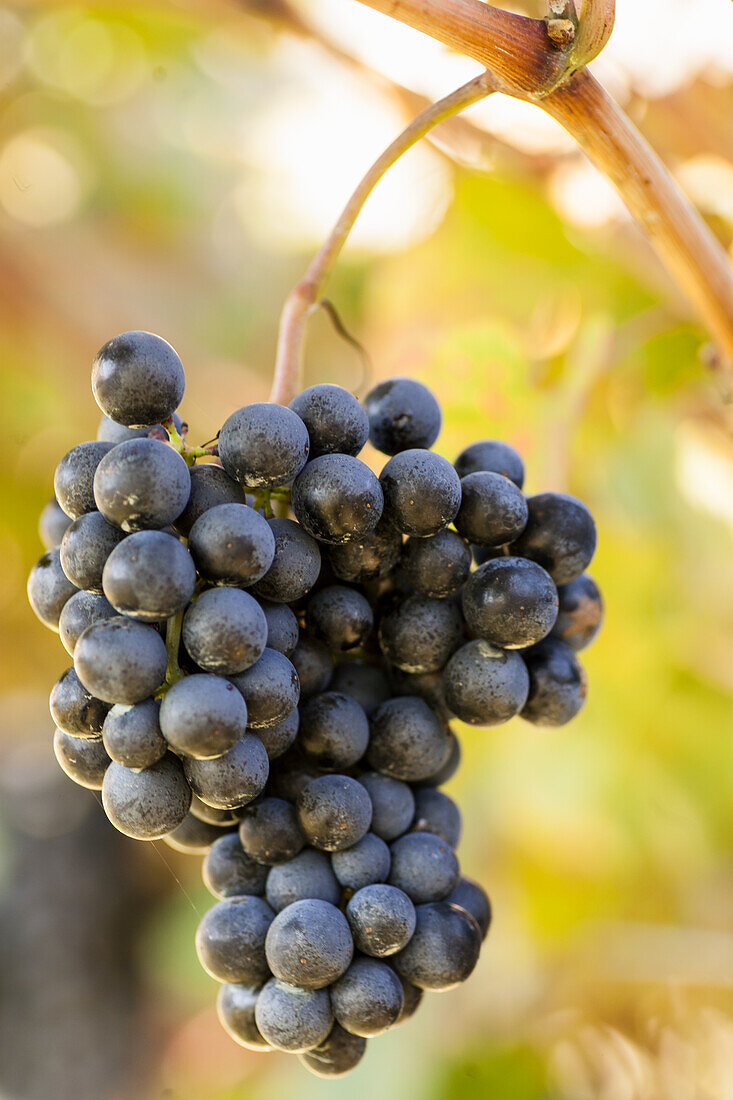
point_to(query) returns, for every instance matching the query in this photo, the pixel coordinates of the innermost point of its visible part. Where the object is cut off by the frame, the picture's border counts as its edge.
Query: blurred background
(171, 166)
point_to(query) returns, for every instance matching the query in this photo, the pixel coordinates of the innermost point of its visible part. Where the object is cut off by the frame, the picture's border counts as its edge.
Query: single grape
(365, 683)
(337, 498)
(230, 940)
(210, 487)
(557, 684)
(150, 576)
(560, 536)
(75, 710)
(335, 420)
(269, 831)
(510, 602)
(235, 1006)
(366, 862)
(49, 589)
(229, 872)
(85, 548)
(444, 948)
(140, 484)
(314, 664)
(436, 566)
(334, 812)
(193, 836)
(111, 432)
(309, 944)
(295, 567)
(367, 558)
(436, 812)
(278, 739)
(308, 875)
(263, 445)
(485, 686)
(203, 716)
(402, 414)
(381, 918)
(334, 730)
(412, 999)
(282, 627)
(449, 769)
(79, 612)
(419, 634)
(121, 661)
(225, 631)
(338, 1054)
(422, 492)
(132, 735)
(232, 544)
(73, 480)
(491, 455)
(407, 741)
(580, 615)
(292, 1019)
(84, 760)
(271, 689)
(493, 510)
(137, 379)
(233, 779)
(424, 866)
(473, 898)
(368, 999)
(340, 617)
(52, 523)
(147, 804)
(393, 805)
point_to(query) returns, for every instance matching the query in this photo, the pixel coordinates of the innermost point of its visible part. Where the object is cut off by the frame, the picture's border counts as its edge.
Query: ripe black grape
(419, 634)
(194, 836)
(236, 1010)
(580, 615)
(314, 664)
(334, 812)
(436, 566)
(73, 481)
(271, 689)
(49, 588)
(335, 420)
(491, 455)
(510, 602)
(233, 779)
(85, 548)
(232, 544)
(293, 1019)
(84, 760)
(269, 831)
(210, 486)
(365, 862)
(149, 803)
(149, 576)
(557, 684)
(309, 944)
(229, 872)
(230, 940)
(444, 948)
(79, 612)
(295, 567)
(436, 812)
(52, 523)
(74, 709)
(137, 379)
(282, 627)
(140, 484)
(381, 918)
(424, 866)
(393, 805)
(278, 739)
(402, 414)
(493, 510)
(422, 492)
(369, 557)
(338, 1054)
(308, 875)
(334, 730)
(337, 498)
(340, 617)
(485, 686)
(132, 735)
(225, 631)
(121, 661)
(368, 999)
(407, 741)
(560, 535)
(203, 716)
(263, 445)
(473, 898)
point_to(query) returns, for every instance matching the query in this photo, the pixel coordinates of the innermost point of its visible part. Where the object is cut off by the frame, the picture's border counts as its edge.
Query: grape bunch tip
(268, 650)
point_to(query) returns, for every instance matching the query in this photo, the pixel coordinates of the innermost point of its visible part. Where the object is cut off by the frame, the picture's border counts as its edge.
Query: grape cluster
(275, 690)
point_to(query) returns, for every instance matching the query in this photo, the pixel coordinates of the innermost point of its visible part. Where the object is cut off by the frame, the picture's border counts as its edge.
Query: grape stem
(172, 644)
(527, 63)
(305, 297)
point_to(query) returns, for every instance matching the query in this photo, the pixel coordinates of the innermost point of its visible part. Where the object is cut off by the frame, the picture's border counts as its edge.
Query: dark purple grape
(436, 812)
(365, 862)
(365, 683)
(85, 761)
(309, 944)
(444, 948)
(73, 481)
(308, 875)
(493, 510)
(424, 866)
(557, 684)
(381, 918)
(337, 498)
(407, 741)
(75, 710)
(232, 544)
(271, 689)
(269, 831)
(49, 589)
(419, 634)
(473, 898)
(335, 420)
(79, 612)
(234, 779)
(485, 686)
(334, 730)
(229, 872)
(225, 631)
(282, 627)
(263, 445)
(368, 999)
(510, 602)
(149, 576)
(314, 664)
(132, 735)
(402, 414)
(52, 523)
(580, 615)
(235, 1006)
(436, 566)
(334, 812)
(121, 661)
(338, 1054)
(137, 379)
(296, 565)
(560, 535)
(147, 804)
(193, 836)
(422, 492)
(203, 716)
(340, 617)
(491, 455)
(292, 1019)
(230, 940)
(393, 805)
(210, 486)
(278, 739)
(141, 484)
(367, 558)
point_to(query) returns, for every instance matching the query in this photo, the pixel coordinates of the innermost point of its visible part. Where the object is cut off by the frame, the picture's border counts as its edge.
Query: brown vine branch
(304, 299)
(526, 64)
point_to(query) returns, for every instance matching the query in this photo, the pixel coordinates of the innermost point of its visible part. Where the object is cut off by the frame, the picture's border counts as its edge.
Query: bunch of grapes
(275, 690)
